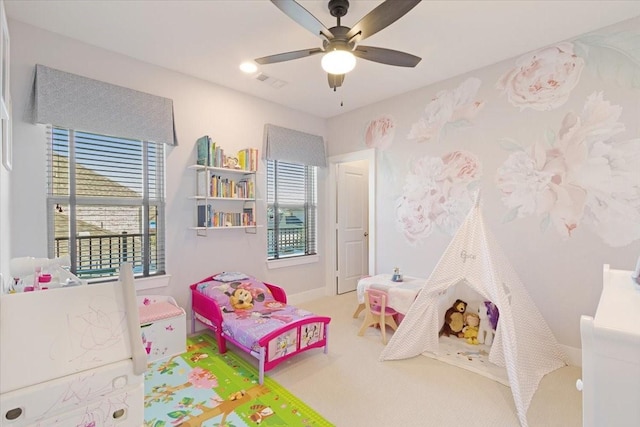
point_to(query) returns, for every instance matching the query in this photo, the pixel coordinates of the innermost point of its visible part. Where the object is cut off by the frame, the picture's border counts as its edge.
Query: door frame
(331, 265)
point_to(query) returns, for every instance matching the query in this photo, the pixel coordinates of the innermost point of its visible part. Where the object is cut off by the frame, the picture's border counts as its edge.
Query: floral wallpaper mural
(437, 194)
(380, 132)
(579, 175)
(543, 80)
(613, 57)
(552, 140)
(449, 107)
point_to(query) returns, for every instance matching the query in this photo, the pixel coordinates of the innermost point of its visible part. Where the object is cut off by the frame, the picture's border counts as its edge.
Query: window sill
(152, 282)
(290, 262)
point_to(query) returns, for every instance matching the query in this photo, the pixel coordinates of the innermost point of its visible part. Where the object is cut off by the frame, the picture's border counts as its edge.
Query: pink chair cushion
(158, 311)
(388, 310)
(375, 302)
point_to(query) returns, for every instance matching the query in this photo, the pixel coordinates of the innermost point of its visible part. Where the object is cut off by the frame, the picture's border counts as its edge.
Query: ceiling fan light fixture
(338, 61)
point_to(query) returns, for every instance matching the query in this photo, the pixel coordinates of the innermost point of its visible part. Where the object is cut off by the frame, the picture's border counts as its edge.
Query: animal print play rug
(204, 388)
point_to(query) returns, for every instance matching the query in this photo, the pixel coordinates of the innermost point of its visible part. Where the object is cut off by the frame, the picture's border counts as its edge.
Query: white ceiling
(209, 39)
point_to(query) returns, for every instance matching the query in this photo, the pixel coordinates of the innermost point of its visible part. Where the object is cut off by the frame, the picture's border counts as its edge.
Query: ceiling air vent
(271, 81)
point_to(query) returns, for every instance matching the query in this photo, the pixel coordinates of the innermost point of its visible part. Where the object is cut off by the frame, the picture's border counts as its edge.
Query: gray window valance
(293, 146)
(75, 102)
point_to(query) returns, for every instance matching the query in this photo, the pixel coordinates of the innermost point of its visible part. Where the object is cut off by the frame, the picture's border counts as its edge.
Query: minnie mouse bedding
(255, 317)
(249, 309)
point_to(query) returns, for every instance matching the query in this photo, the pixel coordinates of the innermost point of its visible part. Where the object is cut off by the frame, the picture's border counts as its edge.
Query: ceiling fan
(341, 44)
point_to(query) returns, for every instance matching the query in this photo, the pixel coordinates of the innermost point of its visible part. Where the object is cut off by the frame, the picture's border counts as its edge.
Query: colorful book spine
(212, 151)
(253, 159)
(204, 215)
(202, 151)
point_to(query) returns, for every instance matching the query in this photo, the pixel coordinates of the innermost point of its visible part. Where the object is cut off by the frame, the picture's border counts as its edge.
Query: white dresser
(611, 354)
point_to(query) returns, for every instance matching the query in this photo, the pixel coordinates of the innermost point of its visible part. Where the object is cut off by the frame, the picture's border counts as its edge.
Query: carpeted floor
(204, 388)
(351, 387)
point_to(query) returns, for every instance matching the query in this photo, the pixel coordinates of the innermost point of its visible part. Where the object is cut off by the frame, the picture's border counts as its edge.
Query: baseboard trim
(302, 297)
(574, 355)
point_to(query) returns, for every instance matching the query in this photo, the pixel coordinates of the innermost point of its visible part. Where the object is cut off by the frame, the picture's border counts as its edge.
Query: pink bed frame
(206, 311)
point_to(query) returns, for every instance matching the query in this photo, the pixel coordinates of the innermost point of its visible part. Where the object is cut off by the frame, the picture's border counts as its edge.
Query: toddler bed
(256, 318)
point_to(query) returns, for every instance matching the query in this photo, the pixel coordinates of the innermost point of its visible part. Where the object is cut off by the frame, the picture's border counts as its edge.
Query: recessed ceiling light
(248, 67)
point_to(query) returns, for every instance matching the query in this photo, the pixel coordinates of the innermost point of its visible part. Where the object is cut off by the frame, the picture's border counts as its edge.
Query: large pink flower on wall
(543, 80)
(580, 177)
(380, 132)
(449, 106)
(436, 194)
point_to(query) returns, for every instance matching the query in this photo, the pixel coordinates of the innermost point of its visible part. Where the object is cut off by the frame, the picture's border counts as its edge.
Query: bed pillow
(237, 295)
(230, 276)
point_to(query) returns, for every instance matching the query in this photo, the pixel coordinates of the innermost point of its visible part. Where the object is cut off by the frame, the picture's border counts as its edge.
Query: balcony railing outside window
(291, 241)
(101, 256)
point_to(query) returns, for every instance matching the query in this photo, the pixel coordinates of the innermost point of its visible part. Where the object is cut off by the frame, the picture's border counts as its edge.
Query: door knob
(366, 234)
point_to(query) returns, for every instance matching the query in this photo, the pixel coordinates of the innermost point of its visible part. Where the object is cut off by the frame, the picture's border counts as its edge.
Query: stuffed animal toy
(454, 320)
(243, 296)
(470, 330)
(492, 312)
(488, 313)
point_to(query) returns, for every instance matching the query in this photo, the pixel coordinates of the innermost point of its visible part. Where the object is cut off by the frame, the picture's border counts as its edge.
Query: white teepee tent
(523, 344)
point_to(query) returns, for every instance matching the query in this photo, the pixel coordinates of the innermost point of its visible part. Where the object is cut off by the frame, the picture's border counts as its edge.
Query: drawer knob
(579, 384)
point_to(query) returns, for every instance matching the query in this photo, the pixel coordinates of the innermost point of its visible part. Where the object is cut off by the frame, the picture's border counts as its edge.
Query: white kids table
(401, 294)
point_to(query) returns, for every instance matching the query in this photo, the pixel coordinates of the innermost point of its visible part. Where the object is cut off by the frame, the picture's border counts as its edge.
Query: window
(291, 210)
(105, 203)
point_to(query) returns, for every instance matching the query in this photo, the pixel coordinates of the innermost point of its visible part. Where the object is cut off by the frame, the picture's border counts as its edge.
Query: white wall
(232, 119)
(563, 274)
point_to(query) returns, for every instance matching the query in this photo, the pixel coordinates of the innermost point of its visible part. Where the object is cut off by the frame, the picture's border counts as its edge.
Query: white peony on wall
(552, 140)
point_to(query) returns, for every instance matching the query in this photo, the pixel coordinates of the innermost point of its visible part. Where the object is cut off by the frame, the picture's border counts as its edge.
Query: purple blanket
(249, 310)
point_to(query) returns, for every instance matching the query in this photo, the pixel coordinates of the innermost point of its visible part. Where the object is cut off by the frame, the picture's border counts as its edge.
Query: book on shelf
(202, 151)
(247, 217)
(248, 159)
(205, 213)
(242, 159)
(212, 152)
(253, 159)
(209, 153)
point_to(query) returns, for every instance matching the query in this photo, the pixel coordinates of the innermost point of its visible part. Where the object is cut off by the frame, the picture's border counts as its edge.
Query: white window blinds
(291, 210)
(105, 203)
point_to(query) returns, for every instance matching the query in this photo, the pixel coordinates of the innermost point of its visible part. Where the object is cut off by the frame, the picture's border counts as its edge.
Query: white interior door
(352, 228)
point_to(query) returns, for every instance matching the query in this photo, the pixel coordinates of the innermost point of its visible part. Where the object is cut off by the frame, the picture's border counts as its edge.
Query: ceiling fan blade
(386, 56)
(335, 80)
(288, 56)
(379, 18)
(303, 17)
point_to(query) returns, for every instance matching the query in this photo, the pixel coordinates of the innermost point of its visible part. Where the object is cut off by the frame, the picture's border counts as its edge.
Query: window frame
(145, 203)
(310, 208)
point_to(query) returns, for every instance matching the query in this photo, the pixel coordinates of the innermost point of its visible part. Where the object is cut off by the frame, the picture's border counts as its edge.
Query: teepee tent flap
(523, 344)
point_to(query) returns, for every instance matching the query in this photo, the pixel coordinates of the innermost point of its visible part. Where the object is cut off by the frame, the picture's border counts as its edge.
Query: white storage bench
(163, 326)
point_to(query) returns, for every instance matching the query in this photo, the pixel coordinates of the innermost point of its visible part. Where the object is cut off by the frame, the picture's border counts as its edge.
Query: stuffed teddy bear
(454, 320)
(470, 330)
